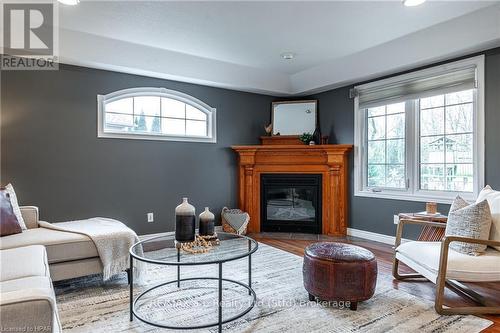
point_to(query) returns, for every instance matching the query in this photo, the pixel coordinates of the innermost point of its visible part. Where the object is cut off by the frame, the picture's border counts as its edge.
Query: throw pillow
(471, 221)
(493, 198)
(15, 206)
(8, 221)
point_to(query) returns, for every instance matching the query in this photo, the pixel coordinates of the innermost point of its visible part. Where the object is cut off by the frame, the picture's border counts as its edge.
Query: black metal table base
(220, 279)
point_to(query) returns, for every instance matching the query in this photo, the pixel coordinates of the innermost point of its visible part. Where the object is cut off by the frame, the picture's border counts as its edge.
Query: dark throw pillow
(8, 220)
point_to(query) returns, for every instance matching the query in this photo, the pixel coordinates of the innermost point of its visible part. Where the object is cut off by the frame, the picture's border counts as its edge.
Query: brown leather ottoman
(339, 272)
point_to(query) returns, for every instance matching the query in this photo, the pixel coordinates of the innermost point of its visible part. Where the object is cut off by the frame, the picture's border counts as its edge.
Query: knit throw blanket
(112, 239)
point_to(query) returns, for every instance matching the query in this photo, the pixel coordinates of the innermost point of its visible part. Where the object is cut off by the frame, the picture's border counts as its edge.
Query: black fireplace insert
(291, 203)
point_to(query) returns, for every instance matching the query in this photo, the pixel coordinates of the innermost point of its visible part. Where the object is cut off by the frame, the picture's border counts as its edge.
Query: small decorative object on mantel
(269, 129)
(201, 244)
(185, 221)
(234, 221)
(317, 136)
(306, 138)
(207, 223)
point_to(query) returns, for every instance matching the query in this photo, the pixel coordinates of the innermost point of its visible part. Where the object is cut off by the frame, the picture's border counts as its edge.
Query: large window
(420, 136)
(385, 142)
(446, 142)
(155, 114)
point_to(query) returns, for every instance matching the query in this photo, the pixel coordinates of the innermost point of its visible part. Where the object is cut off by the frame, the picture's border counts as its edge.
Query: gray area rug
(89, 305)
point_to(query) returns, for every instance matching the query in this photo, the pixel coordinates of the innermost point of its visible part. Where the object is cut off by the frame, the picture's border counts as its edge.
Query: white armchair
(443, 266)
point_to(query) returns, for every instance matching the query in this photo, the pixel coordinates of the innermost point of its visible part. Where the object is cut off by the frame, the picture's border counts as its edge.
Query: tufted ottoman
(339, 272)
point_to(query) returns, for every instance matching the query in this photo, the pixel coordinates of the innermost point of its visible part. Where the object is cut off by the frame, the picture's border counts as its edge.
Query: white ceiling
(238, 44)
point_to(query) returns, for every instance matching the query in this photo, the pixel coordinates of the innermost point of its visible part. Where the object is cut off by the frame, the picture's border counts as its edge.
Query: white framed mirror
(294, 117)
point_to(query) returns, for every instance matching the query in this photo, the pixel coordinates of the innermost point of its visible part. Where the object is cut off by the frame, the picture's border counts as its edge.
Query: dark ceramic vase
(185, 221)
(207, 223)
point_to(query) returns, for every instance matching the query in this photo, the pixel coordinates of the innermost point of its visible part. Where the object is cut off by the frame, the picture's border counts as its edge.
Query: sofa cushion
(469, 221)
(30, 282)
(9, 224)
(61, 246)
(462, 267)
(29, 303)
(15, 205)
(72, 269)
(23, 262)
(493, 198)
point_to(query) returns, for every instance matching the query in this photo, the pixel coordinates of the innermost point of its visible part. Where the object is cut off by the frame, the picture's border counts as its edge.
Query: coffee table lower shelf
(220, 279)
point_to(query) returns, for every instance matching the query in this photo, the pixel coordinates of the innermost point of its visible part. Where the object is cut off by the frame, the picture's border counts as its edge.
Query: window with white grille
(420, 136)
(155, 114)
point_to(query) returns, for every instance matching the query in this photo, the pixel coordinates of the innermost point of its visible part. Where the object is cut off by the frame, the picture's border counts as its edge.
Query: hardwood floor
(296, 243)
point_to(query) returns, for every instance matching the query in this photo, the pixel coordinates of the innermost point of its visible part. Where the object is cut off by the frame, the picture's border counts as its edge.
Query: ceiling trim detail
(469, 33)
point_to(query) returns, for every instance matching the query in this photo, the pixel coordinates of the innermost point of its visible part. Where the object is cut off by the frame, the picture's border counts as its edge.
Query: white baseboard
(146, 236)
(373, 236)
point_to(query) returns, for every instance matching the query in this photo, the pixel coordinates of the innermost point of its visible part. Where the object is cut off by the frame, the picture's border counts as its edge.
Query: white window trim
(412, 193)
(161, 92)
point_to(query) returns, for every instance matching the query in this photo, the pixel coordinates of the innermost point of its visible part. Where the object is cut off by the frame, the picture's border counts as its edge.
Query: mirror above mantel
(290, 119)
(294, 117)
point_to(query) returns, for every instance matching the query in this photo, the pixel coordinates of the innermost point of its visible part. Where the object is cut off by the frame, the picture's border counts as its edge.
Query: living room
(250, 166)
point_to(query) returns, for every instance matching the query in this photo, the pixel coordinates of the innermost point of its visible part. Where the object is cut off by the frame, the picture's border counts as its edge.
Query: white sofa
(69, 254)
(27, 299)
(29, 262)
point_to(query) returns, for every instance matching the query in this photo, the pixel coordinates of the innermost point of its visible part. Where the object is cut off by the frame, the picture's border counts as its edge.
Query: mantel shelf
(329, 147)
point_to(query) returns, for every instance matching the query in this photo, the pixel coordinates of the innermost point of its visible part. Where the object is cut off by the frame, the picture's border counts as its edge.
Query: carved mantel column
(249, 188)
(338, 187)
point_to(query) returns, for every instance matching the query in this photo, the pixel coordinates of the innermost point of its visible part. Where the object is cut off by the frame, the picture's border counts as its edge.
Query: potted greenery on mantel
(307, 138)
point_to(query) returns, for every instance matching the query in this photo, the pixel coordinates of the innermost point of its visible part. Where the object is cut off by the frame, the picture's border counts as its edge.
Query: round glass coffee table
(162, 250)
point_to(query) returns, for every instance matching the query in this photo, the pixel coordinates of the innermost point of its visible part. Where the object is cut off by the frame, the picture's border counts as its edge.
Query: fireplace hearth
(291, 203)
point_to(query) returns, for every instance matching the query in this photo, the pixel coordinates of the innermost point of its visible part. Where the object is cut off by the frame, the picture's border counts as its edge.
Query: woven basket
(227, 227)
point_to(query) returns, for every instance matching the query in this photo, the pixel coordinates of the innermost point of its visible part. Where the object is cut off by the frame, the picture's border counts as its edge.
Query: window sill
(155, 137)
(414, 197)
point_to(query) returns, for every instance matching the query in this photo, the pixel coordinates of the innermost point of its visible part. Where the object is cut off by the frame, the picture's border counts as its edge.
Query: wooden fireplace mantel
(331, 161)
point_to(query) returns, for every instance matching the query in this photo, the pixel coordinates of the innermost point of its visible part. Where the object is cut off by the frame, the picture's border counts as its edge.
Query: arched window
(155, 114)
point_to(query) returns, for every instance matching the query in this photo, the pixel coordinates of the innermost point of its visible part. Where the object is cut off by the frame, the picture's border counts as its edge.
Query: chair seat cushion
(23, 262)
(61, 246)
(462, 267)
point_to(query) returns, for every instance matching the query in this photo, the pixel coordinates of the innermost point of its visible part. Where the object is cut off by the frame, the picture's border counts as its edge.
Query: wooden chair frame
(441, 281)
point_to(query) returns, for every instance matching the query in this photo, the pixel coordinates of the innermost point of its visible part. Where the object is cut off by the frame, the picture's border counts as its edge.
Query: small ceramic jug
(207, 222)
(185, 220)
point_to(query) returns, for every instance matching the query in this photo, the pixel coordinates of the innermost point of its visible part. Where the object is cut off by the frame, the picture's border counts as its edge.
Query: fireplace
(329, 161)
(291, 202)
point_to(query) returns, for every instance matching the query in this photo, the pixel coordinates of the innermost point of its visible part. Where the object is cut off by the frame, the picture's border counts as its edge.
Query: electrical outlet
(396, 219)
(151, 217)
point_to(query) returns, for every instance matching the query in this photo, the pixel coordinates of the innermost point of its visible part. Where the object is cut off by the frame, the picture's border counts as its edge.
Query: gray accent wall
(51, 153)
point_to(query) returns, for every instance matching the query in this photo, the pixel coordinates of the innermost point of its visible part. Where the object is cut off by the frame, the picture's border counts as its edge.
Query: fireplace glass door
(291, 203)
